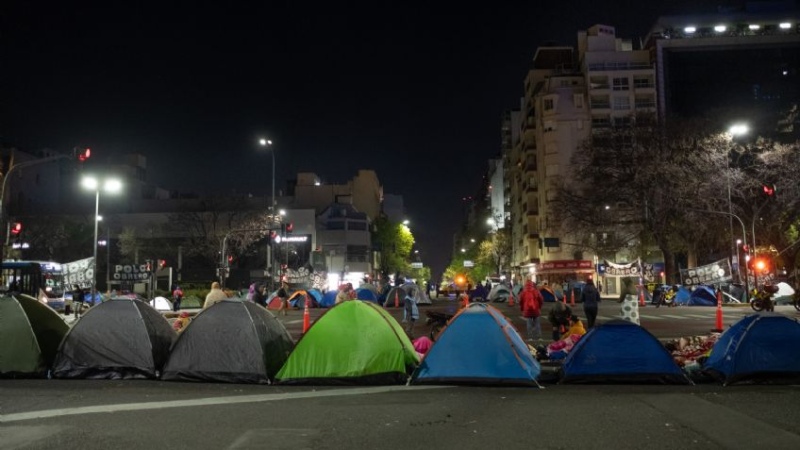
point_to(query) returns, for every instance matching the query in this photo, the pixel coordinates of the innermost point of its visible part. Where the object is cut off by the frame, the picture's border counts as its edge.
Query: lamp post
(735, 130)
(267, 143)
(110, 185)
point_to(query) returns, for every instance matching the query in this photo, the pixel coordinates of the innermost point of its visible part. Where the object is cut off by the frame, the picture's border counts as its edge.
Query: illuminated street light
(109, 185)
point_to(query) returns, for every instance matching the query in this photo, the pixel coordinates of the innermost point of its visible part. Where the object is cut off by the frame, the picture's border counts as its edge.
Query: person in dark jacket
(260, 296)
(77, 300)
(590, 297)
(559, 318)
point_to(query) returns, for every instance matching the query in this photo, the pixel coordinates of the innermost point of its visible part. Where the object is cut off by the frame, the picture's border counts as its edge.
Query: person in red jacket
(530, 302)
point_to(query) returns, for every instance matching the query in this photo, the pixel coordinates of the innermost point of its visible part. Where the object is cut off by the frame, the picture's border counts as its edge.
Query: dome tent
(233, 342)
(479, 346)
(621, 352)
(30, 333)
(116, 339)
(757, 347)
(355, 342)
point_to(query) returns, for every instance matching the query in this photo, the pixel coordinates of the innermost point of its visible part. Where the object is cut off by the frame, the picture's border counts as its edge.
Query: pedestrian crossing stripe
(645, 316)
(673, 317)
(699, 316)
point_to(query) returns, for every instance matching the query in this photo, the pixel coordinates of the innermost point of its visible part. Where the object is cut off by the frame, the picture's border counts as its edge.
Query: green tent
(30, 333)
(355, 342)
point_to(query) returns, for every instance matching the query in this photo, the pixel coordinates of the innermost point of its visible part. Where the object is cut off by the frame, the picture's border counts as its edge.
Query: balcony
(606, 66)
(645, 104)
(600, 105)
(643, 84)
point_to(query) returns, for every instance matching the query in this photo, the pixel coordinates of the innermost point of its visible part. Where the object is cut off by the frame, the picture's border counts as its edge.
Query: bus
(42, 280)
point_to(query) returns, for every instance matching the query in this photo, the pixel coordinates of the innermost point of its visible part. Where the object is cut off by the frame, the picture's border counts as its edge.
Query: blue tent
(682, 296)
(479, 346)
(703, 296)
(757, 347)
(366, 294)
(620, 351)
(548, 295)
(315, 293)
(328, 299)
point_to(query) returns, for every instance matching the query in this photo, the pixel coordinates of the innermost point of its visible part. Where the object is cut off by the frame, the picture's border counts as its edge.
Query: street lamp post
(735, 130)
(267, 143)
(110, 185)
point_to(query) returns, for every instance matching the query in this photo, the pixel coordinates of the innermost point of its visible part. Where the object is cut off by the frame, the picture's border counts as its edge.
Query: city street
(102, 414)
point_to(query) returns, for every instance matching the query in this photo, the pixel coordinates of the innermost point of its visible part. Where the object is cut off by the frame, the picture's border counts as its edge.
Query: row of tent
(358, 342)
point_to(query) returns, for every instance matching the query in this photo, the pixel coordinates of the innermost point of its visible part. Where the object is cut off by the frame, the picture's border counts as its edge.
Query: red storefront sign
(567, 266)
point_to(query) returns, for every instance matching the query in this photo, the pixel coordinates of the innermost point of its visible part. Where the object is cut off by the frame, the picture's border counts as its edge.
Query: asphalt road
(95, 414)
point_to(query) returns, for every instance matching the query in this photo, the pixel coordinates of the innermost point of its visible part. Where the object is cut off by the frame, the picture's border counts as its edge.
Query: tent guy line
(230, 400)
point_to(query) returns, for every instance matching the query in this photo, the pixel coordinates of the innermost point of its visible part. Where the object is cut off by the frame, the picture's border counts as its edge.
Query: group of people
(567, 327)
(257, 293)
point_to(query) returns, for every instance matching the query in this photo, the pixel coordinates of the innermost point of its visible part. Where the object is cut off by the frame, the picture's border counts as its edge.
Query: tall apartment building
(567, 96)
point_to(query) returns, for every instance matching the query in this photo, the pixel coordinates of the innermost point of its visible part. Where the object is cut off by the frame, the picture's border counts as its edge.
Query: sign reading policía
(131, 272)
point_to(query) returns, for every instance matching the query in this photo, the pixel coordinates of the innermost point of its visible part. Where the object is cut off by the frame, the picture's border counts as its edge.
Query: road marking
(698, 316)
(645, 316)
(231, 400)
(672, 317)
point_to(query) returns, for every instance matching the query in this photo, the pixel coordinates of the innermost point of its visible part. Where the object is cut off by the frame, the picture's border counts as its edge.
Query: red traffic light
(289, 227)
(16, 228)
(162, 263)
(768, 189)
(82, 154)
(230, 259)
(746, 248)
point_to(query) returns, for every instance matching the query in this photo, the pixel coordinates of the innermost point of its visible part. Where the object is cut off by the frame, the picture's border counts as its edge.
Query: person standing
(590, 297)
(260, 296)
(410, 311)
(530, 303)
(216, 295)
(77, 300)
(177, 297)
(283, 295)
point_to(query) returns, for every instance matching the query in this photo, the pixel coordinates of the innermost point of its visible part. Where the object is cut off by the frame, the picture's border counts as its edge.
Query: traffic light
(760, 265)
(162, 263)
(82, 154)
(148, 266)
(746, 249)
(768, 190)
(16, 228)
(230, 259)
(289, 227)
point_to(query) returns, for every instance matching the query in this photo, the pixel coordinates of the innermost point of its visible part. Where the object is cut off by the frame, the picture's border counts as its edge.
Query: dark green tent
(355, 342)
(30, 333)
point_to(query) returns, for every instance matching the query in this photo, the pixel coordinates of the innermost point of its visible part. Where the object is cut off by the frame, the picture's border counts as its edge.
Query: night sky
(414, 92)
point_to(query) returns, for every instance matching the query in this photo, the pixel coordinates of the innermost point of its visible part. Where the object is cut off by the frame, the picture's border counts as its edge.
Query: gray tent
(232, 341)
(116, 339)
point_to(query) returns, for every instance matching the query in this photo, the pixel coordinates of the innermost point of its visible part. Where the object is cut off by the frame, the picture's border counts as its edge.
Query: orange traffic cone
(396, 299)
(641, 297)
(719, 326)
(306, 318)
(572, 297)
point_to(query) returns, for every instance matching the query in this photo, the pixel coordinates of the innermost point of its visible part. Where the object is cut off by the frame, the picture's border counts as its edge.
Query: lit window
(785, 25)
(755, 27)
(689, 30)
(720, 28)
